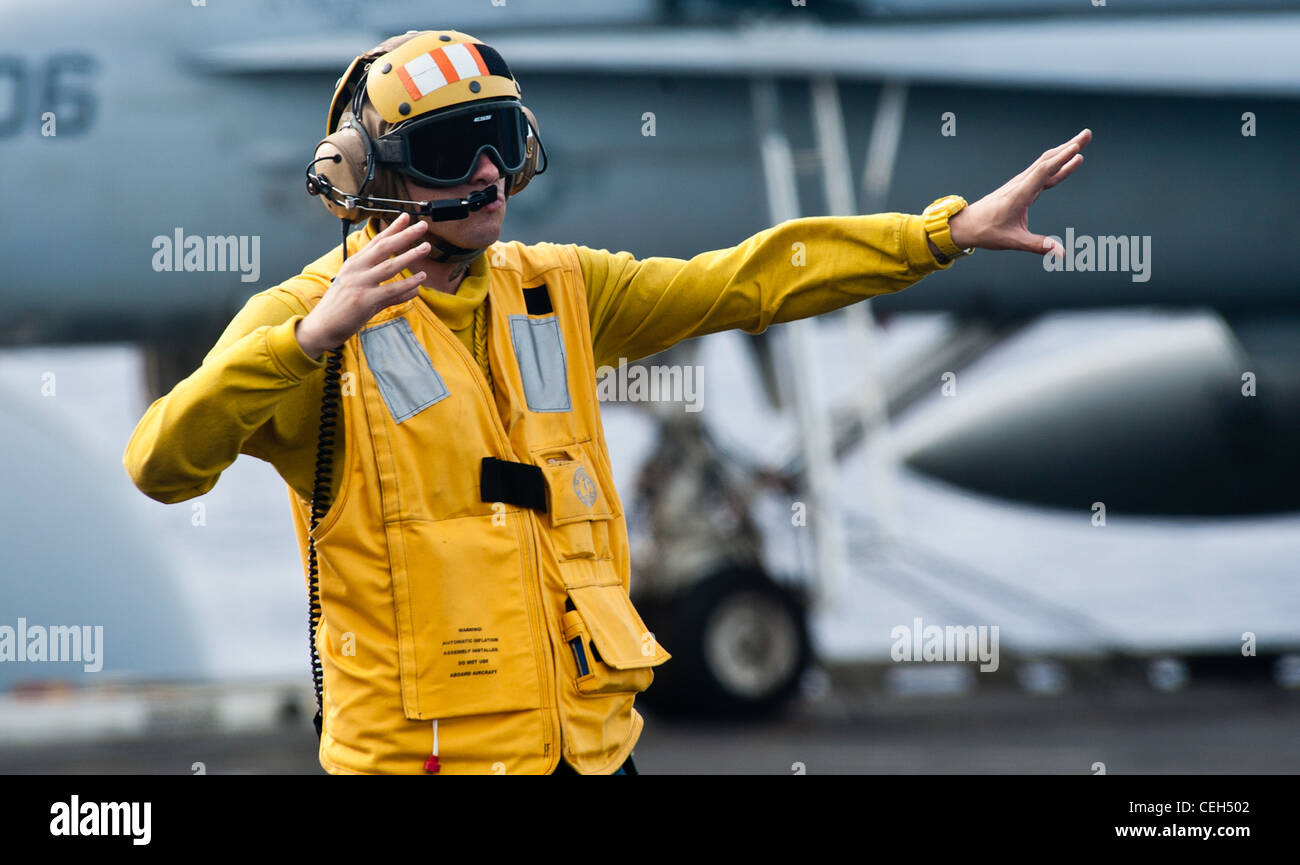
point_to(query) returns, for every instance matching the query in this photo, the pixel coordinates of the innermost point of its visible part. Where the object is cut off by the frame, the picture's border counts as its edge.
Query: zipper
(550, 661)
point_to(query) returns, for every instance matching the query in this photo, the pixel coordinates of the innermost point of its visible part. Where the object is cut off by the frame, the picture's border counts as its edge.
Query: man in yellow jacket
(428, 394)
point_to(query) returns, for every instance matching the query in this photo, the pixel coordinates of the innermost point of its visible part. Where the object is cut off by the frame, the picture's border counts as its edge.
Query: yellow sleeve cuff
(286, 351)
(916, 245)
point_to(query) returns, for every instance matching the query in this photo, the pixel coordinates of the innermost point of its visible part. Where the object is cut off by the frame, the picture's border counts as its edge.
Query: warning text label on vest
(474, 653)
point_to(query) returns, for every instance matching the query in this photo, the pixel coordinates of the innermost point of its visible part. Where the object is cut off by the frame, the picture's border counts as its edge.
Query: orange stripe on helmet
(478, 59)
(448, 70)
(408, 83)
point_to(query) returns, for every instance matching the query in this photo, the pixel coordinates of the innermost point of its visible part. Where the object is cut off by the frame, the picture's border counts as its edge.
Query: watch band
(936, 218)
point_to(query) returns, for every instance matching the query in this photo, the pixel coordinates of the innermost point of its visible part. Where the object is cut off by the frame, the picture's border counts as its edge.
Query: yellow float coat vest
(508, 626)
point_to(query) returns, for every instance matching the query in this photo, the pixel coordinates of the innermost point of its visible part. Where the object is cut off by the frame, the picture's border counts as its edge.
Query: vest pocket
(578, 507)
(465, 621)
(539, 350)
(611, 649)
(604, 632)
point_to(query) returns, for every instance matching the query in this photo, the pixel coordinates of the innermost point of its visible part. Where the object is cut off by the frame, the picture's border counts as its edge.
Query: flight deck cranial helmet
(425, 105)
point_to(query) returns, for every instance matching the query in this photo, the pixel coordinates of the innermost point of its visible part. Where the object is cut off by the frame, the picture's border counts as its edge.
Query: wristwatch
(936, 218)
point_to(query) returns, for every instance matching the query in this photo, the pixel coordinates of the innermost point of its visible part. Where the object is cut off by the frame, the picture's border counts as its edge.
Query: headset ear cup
(346, 175)
(532, 156)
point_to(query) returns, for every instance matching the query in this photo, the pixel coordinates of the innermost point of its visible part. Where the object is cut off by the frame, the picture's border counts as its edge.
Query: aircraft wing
(1189, 54)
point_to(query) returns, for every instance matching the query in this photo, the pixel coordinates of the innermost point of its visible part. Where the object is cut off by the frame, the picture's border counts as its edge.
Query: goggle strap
(388, 151)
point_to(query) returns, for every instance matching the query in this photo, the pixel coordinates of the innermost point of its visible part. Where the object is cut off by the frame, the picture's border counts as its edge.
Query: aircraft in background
(127, 130)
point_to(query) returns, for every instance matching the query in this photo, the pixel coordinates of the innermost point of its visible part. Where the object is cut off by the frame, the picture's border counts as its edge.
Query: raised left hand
(1000, 220)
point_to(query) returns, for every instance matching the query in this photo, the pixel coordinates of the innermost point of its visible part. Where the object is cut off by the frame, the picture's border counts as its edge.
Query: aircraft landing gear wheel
(740, 646)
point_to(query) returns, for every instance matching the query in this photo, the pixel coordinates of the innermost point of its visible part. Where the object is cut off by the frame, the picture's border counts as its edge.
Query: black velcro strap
(538, 300)
(516, 483)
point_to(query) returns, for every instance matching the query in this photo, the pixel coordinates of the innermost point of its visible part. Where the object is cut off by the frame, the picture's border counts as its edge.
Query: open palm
(1000, 220)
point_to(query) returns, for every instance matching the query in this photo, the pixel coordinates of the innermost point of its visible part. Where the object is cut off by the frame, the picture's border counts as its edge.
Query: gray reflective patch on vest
(406, 378)
(540, 353)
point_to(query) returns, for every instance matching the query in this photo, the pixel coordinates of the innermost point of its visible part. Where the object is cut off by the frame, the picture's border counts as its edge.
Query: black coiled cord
(320, 505)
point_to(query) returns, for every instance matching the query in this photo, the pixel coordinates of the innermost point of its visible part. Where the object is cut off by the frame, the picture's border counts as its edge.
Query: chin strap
(451, 252)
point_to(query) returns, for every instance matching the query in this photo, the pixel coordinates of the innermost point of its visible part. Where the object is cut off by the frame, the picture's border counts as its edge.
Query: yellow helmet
(433, 101)
(433, 70)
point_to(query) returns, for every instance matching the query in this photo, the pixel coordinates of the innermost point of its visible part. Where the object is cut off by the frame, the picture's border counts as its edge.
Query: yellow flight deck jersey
(474, 561)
